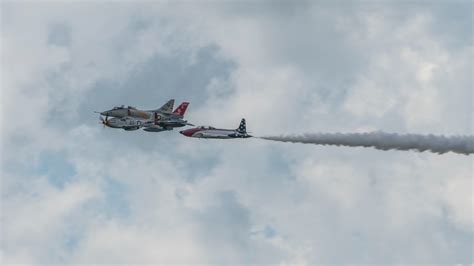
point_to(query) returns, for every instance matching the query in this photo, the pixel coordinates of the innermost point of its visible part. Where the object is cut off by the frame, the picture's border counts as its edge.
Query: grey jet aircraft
(130, 118)
(122, 111)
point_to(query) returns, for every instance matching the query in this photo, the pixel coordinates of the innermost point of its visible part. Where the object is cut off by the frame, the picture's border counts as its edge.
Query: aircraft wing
(173, 122)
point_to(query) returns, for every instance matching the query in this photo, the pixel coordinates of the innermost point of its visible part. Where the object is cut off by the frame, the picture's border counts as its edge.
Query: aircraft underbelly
(153, 129)
(218, 137)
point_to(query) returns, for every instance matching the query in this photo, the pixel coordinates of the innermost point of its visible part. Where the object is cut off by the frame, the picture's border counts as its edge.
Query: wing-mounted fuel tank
(155, 128)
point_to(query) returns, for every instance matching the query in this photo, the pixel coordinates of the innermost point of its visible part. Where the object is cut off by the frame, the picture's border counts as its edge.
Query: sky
(73, 192)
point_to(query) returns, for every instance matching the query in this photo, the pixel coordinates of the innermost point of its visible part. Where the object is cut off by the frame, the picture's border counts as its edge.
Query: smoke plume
(386, 141)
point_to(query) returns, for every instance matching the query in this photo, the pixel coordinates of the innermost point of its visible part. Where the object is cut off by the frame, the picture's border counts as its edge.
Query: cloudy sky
(73, 192)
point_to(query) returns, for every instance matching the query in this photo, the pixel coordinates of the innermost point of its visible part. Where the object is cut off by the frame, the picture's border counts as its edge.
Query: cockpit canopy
(206, 127)
(123, 107)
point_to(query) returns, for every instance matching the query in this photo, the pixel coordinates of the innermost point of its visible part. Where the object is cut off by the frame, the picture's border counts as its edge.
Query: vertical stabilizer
(181, 109)
(167, 107)
(242, 127)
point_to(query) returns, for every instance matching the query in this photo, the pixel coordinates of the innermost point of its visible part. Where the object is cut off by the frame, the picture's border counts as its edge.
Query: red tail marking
(181, 109)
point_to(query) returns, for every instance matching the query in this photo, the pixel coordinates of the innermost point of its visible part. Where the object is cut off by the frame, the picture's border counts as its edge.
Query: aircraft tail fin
(181, 109)
(167, 107)
(242, 127)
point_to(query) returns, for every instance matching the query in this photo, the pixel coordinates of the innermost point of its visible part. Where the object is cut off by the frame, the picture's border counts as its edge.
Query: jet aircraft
(208, 132)
(161, 119)
(122, 111)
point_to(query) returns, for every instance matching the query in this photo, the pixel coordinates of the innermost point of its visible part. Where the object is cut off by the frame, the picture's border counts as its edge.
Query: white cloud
(160, 198)
(41, 214)
(106, 242)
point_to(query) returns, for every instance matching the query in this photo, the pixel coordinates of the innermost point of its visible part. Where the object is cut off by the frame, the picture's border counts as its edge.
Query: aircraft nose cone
(186, 133)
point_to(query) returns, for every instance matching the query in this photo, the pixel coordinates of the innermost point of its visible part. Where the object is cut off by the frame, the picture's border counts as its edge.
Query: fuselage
(153, 121)
(131, 123)
(127, 111)
(213, 133)
(126, 123)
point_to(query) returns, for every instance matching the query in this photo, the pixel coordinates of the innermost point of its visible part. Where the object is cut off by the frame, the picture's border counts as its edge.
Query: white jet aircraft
(208, 132)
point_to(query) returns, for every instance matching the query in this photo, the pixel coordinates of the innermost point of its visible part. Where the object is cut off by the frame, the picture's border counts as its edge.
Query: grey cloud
(160, 78)
(60, 35)
(325, 205)
(227, 224)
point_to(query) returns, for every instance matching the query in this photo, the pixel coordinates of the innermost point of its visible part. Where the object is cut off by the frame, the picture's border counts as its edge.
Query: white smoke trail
(386, 141)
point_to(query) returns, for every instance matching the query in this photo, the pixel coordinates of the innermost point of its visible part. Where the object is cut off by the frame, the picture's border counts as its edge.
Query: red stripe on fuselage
(190, 132)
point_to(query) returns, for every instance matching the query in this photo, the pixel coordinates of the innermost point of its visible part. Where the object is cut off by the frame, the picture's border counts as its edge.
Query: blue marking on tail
(242, 127)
